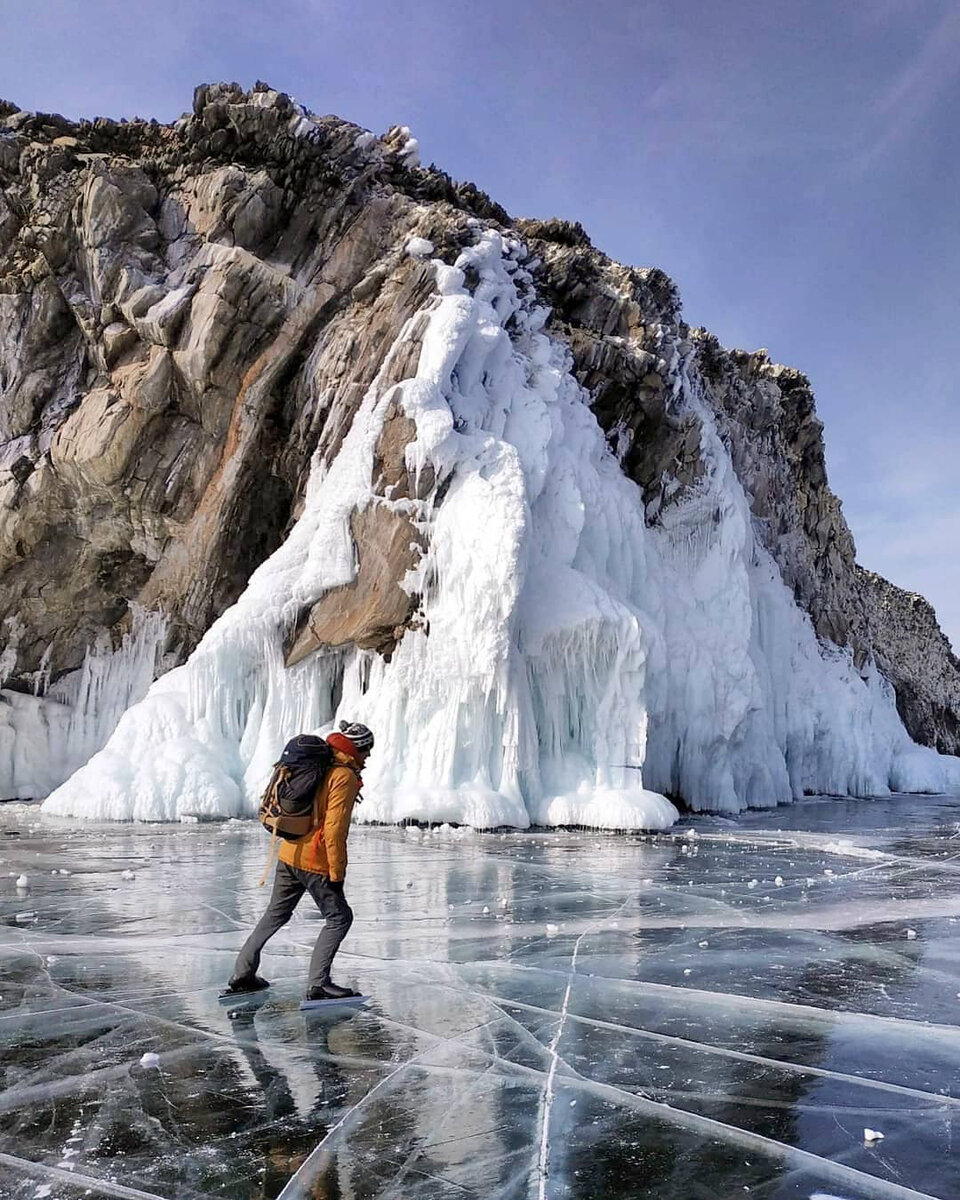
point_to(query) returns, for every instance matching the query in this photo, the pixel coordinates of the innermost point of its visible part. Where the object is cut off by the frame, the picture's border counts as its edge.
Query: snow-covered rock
(461, 478)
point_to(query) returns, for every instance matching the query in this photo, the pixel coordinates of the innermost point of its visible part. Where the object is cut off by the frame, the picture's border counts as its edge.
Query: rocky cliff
(190, 318)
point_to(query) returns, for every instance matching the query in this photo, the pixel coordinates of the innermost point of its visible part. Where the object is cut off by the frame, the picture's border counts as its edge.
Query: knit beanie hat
(359, 734)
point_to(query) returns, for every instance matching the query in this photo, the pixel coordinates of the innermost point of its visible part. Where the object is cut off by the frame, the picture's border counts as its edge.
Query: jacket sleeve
(343, 788)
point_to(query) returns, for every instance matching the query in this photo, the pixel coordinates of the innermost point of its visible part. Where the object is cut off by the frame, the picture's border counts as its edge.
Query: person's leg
(287, 890)
(338, 919)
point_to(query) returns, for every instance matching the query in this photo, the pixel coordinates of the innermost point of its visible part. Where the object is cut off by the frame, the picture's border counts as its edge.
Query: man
(315, 863)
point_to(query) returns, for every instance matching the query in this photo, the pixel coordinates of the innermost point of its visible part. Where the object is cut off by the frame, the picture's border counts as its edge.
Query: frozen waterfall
(578, 665)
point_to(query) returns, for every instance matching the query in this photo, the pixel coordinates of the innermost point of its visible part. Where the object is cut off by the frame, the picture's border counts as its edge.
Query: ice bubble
(552, 930)
(911, 934)
(128, 875)
(778, 882)
(686, 970)
(703, 945)
(753, 883)
(149, 1059)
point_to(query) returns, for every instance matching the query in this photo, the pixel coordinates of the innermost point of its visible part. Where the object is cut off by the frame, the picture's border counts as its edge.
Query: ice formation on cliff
(46, 736)
(578, 663)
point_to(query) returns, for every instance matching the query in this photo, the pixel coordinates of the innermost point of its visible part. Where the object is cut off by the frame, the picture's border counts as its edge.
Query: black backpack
(286, 806)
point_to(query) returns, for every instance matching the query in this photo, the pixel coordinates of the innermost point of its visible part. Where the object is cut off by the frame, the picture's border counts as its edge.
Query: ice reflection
(553, 1015)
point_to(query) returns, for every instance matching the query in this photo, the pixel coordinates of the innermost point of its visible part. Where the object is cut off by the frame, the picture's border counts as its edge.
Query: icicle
(46, 736)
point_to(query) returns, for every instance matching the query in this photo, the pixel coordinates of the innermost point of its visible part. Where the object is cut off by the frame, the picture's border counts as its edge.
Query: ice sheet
(556, 1015)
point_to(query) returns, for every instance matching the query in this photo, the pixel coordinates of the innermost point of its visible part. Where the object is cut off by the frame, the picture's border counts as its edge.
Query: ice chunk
(418, 247)
(872, 1135)
(22, 881)
(149, 1059)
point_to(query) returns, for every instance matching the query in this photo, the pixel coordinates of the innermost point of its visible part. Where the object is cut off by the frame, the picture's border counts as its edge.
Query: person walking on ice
(315, 862)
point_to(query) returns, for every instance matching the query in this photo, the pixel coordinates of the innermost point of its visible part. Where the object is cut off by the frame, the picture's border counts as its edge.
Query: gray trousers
(289, 884)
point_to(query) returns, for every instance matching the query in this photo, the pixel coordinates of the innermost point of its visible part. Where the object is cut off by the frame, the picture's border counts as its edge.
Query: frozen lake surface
(718, 1011)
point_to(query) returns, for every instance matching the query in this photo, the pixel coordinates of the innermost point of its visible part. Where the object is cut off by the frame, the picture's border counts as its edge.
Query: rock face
(190, 316)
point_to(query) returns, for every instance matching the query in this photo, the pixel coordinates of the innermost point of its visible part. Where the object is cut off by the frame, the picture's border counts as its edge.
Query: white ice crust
(578, 665)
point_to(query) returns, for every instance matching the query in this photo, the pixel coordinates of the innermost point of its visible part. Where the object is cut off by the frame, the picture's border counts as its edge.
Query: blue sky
(793, 165)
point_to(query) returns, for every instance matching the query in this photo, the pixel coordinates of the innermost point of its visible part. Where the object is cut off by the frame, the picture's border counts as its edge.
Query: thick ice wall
(530, 676)
(566, 657)
(748, 708)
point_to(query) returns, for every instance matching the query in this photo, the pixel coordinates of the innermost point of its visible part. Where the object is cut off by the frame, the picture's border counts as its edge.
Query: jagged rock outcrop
(190, 316)
(187, 314)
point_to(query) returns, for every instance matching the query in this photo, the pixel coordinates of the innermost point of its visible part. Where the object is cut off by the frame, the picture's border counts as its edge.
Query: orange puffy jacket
(324, 849)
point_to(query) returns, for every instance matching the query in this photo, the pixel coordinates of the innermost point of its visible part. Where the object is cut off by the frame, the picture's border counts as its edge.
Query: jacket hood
(344, 748)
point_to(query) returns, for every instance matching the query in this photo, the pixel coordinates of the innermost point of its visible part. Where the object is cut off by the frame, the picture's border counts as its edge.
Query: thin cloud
(905, 102)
